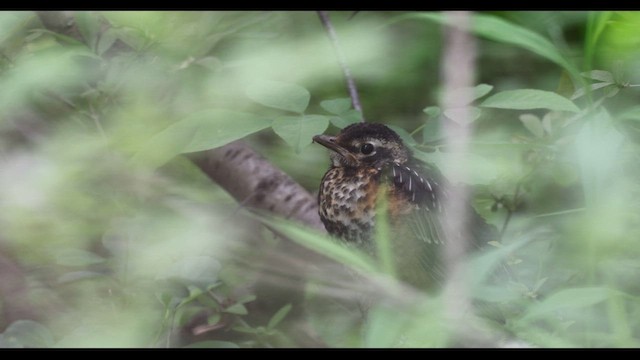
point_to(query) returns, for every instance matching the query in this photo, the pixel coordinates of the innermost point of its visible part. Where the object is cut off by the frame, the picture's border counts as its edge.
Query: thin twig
(351, 83)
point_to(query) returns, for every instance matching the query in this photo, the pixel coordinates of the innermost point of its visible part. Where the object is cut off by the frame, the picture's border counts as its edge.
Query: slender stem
(510, 210)
(351, 83)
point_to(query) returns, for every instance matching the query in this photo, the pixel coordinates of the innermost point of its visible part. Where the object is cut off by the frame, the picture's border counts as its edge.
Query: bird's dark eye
(366, 148)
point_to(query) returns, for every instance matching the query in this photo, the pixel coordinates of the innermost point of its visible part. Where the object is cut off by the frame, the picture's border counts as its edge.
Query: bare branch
(256, 183)
(351, 83)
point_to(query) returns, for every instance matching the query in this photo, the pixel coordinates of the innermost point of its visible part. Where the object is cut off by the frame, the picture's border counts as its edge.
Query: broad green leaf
(432, 111)
(533, 124)
(596, 22)
(349, 117)
(497, 29)
(404, 135)
(323, 244)
(214, 319)
(279, 95)
(431, 131)
(547, 123)
(526, 99)
(567, 299)
(336, 106)
(107, 39)
(279, 316)
(247, 298)
(611, 91)
(599, 75)
(481, 90)
(200, 131)
(26, 333)
(77, 257)
(237, 309)
(298, 131)
(89, 27)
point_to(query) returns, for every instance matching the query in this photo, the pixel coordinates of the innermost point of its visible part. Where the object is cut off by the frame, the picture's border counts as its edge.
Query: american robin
(368, 160)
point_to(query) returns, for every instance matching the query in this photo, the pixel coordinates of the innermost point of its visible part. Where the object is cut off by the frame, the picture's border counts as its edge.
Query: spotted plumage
(370, 160)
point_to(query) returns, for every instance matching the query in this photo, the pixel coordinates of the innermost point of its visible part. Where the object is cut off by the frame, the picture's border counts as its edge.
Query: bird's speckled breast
(347, 200)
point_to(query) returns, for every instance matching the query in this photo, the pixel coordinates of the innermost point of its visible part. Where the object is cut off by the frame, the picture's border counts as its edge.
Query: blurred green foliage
(121, 242)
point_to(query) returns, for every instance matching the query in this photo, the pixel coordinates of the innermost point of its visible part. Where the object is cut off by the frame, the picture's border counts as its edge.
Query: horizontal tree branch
(256, 183)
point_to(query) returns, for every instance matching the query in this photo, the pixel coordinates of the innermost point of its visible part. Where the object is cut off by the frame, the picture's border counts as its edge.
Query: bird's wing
(428, 189)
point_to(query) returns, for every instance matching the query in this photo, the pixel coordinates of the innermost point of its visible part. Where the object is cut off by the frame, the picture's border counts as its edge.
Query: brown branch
(256, 183)
(342, 60)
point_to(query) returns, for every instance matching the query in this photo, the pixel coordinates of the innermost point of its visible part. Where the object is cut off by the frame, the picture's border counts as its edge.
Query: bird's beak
(330, 143)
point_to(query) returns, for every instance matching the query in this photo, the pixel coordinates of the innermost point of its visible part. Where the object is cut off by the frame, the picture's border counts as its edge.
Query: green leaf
(107, 39)
(247, 298)
(298, 131)
(89, 27)
(322, 244)
(533, 124)
(611, 92)
(279, 95)
(200, 131)
(526, 99)
(26, 334)
(431, 131)
(599, 75)
(596, 22)
(237, 309)
(567, 299)
(214, 319)
(404, 135)
(343, 120)
(279, 316)
(432, 111)
(336, 106)
(497, 29)
(77, 257)
(481, 90)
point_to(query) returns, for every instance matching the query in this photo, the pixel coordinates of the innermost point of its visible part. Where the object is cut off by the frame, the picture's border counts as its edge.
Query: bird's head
(365, 144)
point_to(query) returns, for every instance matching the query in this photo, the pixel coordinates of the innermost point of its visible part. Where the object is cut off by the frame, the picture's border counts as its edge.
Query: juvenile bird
(367, 160)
